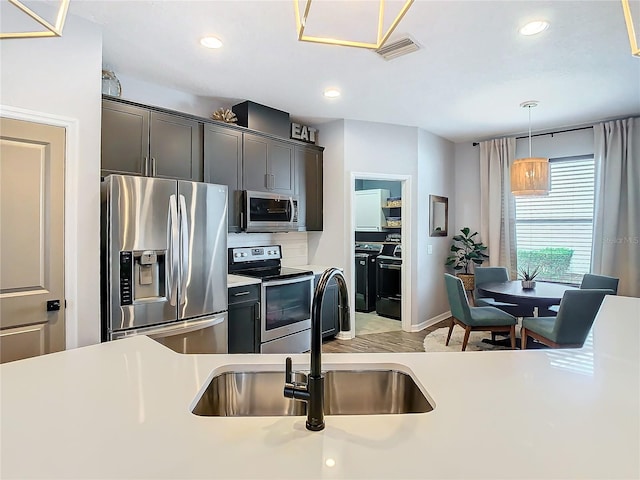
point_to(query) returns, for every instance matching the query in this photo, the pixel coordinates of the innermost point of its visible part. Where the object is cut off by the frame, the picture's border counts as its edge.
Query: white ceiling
(465, 83)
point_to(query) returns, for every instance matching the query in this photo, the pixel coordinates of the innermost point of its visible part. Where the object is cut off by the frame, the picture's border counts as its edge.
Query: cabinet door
(223, 165)
(244, 319)
(244, 327)
(308, 169)
(280, 166)
(125, 139)
(176, 147)
(254, 163)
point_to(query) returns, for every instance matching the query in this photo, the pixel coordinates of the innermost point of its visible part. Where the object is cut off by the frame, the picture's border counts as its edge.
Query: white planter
(528, 284)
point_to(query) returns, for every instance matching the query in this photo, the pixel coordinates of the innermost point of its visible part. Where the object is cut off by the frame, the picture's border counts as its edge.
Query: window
(555, 232)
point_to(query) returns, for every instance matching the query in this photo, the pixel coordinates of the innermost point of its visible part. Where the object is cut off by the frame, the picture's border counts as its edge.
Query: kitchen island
(123, 410)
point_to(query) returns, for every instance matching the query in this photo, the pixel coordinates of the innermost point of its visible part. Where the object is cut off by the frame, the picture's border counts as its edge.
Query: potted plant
(528, 277)
(466, 251)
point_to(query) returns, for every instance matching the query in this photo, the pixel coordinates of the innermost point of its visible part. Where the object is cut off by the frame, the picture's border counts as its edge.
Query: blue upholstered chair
(591, 281)
(569, 329)
(485, 275)
(488, 319)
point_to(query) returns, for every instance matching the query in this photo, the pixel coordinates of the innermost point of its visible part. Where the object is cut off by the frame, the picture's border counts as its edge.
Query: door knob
(53, 305)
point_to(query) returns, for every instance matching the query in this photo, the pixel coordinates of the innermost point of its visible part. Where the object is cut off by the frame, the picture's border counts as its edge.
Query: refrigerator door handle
(176, 328)
(293, 209)
(184, 249)
(172, 243)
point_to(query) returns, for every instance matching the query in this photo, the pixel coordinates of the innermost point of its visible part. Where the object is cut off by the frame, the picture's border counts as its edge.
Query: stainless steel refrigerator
(164, 262)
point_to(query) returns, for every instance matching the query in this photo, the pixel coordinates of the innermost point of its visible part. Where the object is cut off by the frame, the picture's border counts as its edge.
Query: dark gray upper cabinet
(125, 139)
(309, 188)
(223, 165)
(176, 147)
(140, 141)
(268, 165)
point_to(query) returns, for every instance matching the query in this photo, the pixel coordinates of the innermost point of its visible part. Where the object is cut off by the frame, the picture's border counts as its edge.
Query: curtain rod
(475, 144)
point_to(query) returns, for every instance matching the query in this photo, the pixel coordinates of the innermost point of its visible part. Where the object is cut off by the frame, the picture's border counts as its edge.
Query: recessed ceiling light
(211, 42)
(533, 28)
(332, 93)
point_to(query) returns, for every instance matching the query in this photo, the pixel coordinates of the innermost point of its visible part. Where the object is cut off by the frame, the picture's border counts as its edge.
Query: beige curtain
(616, 223)
(497, 204)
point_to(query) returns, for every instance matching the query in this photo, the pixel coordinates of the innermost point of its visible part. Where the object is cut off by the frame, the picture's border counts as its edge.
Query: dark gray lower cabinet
(244, 319)
(330, 304)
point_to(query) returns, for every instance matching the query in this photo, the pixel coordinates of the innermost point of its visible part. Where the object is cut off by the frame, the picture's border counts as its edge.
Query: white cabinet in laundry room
(369, 214)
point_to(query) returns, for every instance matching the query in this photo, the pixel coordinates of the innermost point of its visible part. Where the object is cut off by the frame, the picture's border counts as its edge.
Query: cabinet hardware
(154, 170)
(257, 310)
(239, 294)
(146, 167)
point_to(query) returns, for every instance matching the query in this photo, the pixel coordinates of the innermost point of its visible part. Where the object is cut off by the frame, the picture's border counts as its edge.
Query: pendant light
(530, 176)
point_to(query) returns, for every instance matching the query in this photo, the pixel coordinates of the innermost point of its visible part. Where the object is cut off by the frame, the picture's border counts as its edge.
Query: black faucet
(313, 391)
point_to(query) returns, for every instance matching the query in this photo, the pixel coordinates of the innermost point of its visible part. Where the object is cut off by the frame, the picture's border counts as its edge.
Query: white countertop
(240, 281)
(122, 410)
(316, 269)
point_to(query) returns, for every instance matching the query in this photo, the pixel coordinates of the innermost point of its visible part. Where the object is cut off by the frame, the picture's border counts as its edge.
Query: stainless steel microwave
(269, 212)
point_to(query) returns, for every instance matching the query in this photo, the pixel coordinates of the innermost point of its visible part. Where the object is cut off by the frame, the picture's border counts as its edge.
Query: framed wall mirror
(438, 216)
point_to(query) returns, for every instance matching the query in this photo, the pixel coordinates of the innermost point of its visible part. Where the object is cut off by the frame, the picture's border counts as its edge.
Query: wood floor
(389, 341)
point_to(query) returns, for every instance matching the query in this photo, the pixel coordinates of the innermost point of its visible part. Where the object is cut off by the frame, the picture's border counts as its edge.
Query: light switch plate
(429, 249)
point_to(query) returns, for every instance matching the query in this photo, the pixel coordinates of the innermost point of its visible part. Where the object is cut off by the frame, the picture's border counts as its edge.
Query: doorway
(380, 252)
(32, 244)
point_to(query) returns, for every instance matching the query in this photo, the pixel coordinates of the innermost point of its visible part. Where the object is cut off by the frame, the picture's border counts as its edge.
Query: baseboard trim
(431, 321)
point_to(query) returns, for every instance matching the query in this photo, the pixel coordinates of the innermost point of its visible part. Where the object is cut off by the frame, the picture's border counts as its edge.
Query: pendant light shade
(530, 176)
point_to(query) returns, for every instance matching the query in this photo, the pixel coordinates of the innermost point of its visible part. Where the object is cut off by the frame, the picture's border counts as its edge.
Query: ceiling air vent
(397, 48)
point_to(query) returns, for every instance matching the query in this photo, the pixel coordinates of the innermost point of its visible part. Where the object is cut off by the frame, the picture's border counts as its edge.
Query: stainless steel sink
(347, 392)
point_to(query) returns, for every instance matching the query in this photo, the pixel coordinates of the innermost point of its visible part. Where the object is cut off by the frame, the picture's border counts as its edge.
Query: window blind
(555, 232)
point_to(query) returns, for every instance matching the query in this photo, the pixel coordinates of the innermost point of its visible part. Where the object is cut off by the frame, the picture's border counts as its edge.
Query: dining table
(539, 298)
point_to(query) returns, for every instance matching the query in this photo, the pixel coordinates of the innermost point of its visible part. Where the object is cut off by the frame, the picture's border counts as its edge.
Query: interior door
(31, 239)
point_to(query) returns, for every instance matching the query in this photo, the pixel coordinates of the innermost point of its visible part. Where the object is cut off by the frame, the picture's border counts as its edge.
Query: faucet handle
(288, 368)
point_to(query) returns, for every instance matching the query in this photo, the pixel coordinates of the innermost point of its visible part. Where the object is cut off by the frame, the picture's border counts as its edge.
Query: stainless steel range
(287, 294)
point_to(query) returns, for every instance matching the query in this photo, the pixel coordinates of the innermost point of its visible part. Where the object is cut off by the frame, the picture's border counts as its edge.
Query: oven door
(269, 212)
(286, 307)
(200, 335)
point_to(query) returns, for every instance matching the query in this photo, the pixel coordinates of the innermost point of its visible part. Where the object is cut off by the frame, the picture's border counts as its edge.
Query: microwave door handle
(172, 245)
(293, 211)
(184, 248)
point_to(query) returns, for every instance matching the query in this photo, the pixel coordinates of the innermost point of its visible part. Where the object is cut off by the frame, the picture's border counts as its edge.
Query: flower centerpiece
(466, 251)
(528, 277)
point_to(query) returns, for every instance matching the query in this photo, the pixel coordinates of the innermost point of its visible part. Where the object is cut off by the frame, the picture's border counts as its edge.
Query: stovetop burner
(262, 262)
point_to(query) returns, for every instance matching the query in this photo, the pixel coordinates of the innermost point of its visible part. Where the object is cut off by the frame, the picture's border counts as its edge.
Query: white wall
(435, 177)
(61, 77)
(140, 91)
(375, 148)
(328, 247)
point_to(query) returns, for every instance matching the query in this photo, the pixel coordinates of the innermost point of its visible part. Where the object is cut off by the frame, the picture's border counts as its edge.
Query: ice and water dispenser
(142, 275)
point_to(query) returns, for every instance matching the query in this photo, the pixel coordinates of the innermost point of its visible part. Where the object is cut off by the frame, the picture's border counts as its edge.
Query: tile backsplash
(294, 244)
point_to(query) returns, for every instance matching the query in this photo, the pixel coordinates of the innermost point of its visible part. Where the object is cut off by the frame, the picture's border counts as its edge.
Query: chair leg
(512, 334)
(523, 340)
(450, 330)
(467, 331)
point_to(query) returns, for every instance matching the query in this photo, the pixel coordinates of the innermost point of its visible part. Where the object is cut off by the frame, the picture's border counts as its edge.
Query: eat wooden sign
(304, 133)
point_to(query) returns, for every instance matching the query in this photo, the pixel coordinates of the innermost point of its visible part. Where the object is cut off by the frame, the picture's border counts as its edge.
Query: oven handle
(390, 266)
(286, 281)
